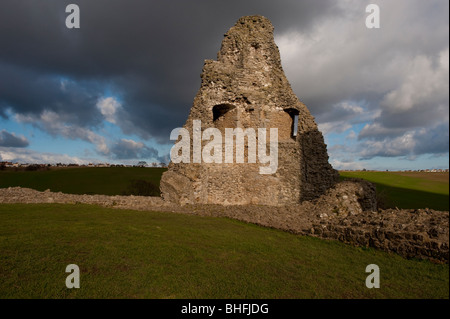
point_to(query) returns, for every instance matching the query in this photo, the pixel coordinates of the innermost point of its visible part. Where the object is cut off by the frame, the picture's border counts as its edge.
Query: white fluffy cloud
(30, 156)
(109, 107)
(347, 165)
(54, 124)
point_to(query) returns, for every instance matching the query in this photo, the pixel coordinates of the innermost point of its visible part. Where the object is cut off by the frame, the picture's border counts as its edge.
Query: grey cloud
(343, 115)
(378, 132)
(419, 104)
(433, 140)
(129, 149)
(343, 60)
(399, 72)
(12, 140)
(423, 96)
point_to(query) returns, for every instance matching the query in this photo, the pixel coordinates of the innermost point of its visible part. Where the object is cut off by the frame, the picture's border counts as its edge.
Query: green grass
(409, 190)
(131, 254)
(416, 190)
(91, 180)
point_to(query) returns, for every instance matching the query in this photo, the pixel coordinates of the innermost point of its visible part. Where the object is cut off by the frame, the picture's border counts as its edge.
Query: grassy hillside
(81, 180)
(409, 189)
(131, 254)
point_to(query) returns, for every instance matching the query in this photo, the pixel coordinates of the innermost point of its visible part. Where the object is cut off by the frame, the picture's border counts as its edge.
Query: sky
(113, 90)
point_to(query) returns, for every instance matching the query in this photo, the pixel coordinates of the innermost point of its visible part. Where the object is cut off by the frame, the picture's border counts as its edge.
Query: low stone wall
(347, 212)
(419, 233)
(31, 196)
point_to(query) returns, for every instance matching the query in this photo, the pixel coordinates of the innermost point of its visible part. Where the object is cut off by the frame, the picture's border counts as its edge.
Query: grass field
(409, 189)
(131, 254)
(395, 189)
(90, 180)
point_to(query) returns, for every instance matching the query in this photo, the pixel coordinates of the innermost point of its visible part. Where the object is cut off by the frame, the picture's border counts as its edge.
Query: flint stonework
(247, 88)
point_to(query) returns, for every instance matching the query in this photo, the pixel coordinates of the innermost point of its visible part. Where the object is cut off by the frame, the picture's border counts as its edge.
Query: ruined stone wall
(247, 88)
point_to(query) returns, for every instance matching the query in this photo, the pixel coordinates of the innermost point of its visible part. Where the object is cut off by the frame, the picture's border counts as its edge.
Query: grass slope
(91, 180)
(409, 190)
(131, 254)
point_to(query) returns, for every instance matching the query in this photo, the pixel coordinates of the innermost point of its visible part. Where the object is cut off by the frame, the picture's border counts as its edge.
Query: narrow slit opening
(295, 125)
(293, 113)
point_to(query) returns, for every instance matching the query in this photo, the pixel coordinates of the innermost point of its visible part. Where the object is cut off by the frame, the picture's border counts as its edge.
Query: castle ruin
(247, 88)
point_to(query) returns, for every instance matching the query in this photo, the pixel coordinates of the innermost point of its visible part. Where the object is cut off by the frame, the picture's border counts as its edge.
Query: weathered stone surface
(247, 88)
(31, 196)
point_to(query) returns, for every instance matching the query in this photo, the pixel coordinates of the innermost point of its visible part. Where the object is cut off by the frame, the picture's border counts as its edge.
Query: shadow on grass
(409, 198)
(391, 197)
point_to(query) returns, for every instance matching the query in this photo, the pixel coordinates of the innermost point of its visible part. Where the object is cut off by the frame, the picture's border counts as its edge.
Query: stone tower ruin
(247, 88)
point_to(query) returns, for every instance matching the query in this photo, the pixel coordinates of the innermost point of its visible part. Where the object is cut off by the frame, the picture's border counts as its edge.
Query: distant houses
(164, 165)
(25, 165)
(439, 170)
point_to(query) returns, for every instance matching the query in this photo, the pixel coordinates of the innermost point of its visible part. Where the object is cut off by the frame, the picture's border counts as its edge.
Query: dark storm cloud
(148, 52)
(11, 140)
(3, 111)
(433, 141)
(28, 92)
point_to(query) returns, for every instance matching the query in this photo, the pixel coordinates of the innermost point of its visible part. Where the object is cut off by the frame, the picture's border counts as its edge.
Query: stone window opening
(220, 110)
(294, 125)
